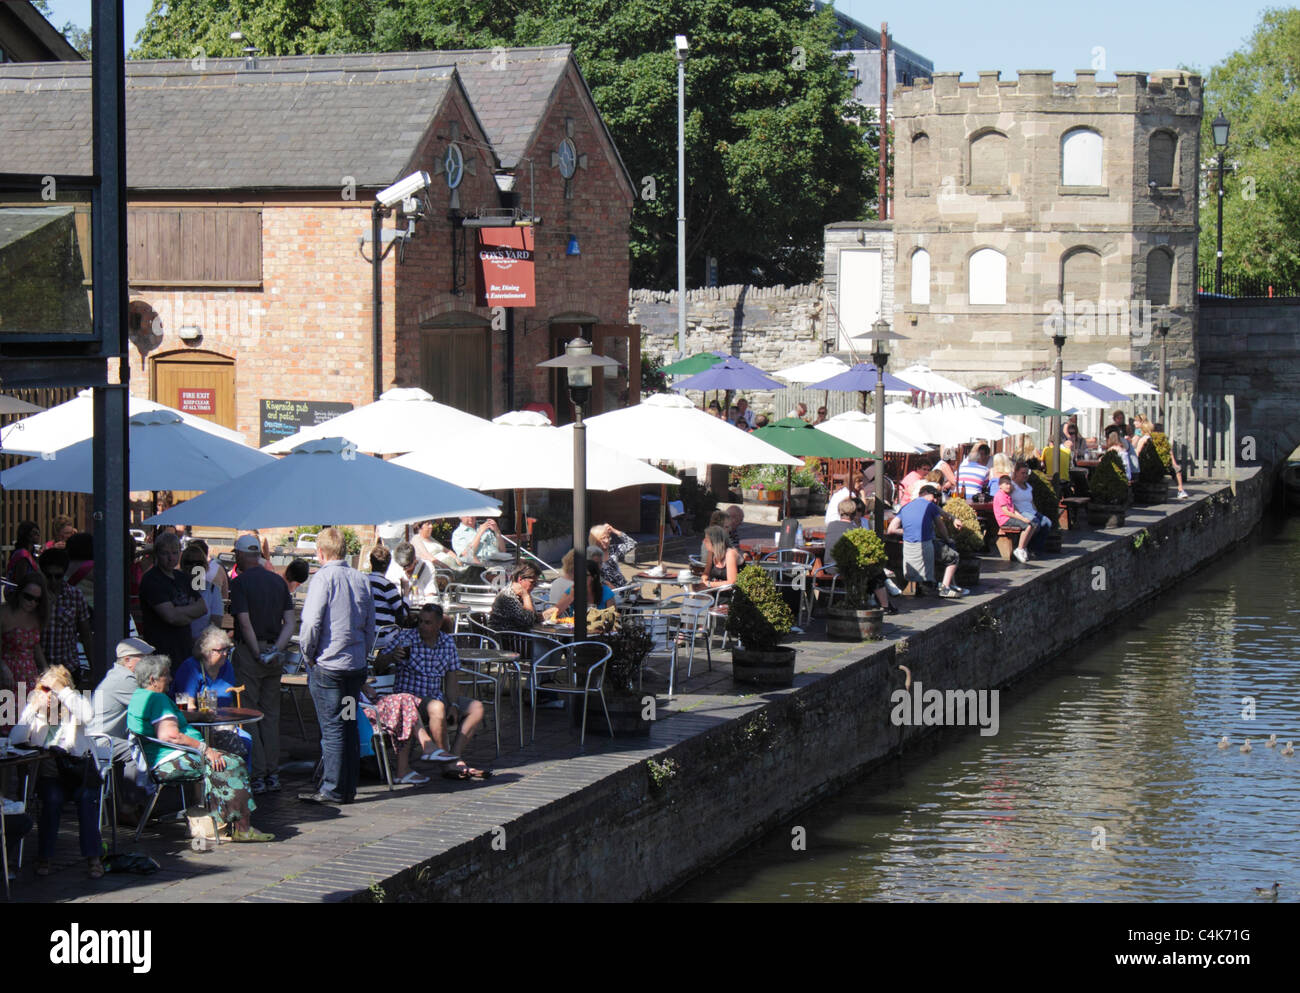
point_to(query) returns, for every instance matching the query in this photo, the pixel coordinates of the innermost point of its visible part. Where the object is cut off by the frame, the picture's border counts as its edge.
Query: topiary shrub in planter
(1108, 486)
(969, 539)
(860, 559)
(631, 643)
(1152, 485)
(1047, 504)
(759, 617)
(1161, 442)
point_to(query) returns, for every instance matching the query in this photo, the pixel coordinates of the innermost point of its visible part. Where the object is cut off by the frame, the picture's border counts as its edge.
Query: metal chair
(159, 784)
(530, 647)
(593, 680)
(475, 680)
(693, 621)
(101, 747)
(662, 630)
(622, 594)
(497, 577)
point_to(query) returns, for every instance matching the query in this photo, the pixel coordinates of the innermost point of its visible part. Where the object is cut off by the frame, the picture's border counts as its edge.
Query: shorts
(1013, 525)
(462, 704)
(945, 554)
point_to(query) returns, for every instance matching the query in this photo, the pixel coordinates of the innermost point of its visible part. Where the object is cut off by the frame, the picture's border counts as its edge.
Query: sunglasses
(27, 596)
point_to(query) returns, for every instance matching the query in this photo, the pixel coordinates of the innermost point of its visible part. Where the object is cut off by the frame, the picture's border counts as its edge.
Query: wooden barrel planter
(844, 624)
(1148, 494)
(1106, 515)
(968, 570)
(799, 496)
(773, 668)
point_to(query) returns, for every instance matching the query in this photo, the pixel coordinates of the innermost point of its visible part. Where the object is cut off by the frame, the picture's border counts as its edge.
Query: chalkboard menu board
(281, 418)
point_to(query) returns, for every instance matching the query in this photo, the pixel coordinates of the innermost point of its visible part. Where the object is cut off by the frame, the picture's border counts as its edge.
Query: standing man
(264, 616)
(69, 614)
(337, 636)
(919, 522)
(169, 600)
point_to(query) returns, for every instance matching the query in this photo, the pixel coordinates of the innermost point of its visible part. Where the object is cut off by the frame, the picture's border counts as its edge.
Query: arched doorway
(196, 382)
(456, 362)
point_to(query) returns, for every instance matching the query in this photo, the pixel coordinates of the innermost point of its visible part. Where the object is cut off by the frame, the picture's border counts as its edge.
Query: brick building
(250, 185)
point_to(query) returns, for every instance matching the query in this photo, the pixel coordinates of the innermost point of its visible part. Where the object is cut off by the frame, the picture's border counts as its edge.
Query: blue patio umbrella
(861, 378)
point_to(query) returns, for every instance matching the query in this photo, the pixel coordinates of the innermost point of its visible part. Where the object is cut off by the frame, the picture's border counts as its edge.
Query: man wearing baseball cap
(264, 623)
(111, 700)
(918, 521)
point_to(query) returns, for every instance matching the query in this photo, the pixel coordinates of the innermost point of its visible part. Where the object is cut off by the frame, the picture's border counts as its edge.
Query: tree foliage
(1258, 90)
(774, 148)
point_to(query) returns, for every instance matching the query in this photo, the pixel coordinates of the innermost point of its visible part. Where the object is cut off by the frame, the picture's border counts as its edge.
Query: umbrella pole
(786, 502)
(663, 511)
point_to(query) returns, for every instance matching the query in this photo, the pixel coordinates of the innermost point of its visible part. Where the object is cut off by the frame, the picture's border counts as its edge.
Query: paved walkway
(330, 854)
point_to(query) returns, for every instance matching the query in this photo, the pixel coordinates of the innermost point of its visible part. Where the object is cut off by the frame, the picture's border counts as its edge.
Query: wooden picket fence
(38, 505)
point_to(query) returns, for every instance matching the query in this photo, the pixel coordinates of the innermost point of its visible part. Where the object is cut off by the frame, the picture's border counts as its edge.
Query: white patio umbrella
(1120, 381)
(813, 372)
(12, 405)
(1072, 400)
(666, 427)
(167, 453)
(521, 450)
(402, 420)
(927, 381)
(859, 429)
(967, 420)
(73, 421)
(327, 480)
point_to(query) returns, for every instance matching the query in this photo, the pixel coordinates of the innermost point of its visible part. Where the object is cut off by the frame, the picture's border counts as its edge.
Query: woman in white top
(55, 718)
(431, 550)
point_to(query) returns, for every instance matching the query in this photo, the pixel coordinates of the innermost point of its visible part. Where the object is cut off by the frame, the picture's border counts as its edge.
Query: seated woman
(1142, 431)
(722, 563)
(513, 608)
(209, 668)
(55, 718)
(598, 594)
(152, 715)
(562, 585)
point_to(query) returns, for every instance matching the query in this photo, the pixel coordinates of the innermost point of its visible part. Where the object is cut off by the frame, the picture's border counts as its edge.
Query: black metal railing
(1236, 284)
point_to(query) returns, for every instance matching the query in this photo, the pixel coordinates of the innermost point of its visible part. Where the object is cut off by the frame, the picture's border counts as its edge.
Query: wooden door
(201, 384)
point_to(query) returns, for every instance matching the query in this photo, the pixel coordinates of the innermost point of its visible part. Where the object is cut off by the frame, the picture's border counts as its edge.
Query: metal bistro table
(15, 759)
(239, 716)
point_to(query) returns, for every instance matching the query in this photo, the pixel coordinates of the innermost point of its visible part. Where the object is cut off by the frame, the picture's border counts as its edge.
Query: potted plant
(969, 539)
(1047, 504)
(764, 483)
(1152, 485)
(1108, 487)
(631, 643)
(860, 560)
(759, 617)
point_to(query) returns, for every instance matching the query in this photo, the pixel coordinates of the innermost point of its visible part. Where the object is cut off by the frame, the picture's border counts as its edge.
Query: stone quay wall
(745, 771)
(771, 327)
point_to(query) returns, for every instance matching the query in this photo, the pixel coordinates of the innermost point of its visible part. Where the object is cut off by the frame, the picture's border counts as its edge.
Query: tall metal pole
(879, 453)
(377, 293)
(1218, 255)
(579, 525)
(110, 445)
(681, 202)
(1059, 341)
(884, 122)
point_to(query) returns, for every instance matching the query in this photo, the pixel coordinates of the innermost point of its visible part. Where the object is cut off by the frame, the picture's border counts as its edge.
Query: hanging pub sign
(505, 264)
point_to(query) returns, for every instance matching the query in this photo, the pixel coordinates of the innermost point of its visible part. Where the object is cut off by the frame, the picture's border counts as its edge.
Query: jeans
(52, 792)
(1044, 524)
(336, 696)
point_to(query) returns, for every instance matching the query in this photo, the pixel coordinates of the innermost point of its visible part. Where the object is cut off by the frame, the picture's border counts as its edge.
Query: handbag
(77, 771)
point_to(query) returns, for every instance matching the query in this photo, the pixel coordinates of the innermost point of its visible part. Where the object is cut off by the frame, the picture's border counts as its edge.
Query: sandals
(439, 755)
(95, 869)
(413, 778)
(464, 772)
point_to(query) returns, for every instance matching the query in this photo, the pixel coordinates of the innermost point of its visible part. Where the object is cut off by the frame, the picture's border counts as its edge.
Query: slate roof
(290, 122)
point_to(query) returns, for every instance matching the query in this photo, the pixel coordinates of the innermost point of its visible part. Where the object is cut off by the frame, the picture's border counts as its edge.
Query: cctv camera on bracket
(404, 190)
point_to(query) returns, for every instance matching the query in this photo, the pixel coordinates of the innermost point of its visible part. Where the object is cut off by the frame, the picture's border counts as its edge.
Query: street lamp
(682, 48)
(1219, 128)
(1162, 328)
(578, 361)
(1058, 339)
(881, 336)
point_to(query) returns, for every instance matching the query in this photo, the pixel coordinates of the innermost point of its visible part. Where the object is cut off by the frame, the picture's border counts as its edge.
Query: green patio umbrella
(799, 438)
(1015, 406)
(692, 364)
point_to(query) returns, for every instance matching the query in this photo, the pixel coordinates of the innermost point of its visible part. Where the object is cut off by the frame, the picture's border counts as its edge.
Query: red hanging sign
(505, 267)
(194, 401)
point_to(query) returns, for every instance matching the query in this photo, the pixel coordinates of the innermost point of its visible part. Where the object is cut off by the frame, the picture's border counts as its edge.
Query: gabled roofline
(46, 33)
(571, 62)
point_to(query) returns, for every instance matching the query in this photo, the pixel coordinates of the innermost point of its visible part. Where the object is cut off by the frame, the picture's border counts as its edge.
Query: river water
(1121, 736)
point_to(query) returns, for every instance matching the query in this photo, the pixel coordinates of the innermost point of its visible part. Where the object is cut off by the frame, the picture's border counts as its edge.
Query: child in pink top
(1005, 513)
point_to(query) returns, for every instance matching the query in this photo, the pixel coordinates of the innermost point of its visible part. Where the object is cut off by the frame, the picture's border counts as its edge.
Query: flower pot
(817, 502)
(1106, 515)
(751, 495)
(770, 668)
(770, 497)
(1147, 494)
(846, 624)
(968, 570)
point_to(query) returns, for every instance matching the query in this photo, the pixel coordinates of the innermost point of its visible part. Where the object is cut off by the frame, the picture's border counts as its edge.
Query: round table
(487, 656)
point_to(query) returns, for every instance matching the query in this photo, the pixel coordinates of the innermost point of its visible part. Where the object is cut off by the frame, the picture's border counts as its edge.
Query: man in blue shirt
(337, 636)
(918, 521)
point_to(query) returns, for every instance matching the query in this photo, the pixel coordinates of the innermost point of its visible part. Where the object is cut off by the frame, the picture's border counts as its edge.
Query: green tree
(78, 37)
(775, 150)
(1258, 89)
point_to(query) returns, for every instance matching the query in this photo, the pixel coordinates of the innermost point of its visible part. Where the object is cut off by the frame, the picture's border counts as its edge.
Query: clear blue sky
(958, 35)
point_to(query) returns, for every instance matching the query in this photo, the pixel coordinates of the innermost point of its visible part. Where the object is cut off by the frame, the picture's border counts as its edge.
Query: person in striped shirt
(973, 473)
(390, 608)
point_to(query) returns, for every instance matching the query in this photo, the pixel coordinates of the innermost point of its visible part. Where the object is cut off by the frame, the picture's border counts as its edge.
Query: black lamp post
(578, 361)
(881, 336)
(1162, 328)
(1219, 128)
(1058, 339)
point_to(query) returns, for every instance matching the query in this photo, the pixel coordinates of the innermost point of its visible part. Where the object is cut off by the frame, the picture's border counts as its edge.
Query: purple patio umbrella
(861, 378)
(730, 374)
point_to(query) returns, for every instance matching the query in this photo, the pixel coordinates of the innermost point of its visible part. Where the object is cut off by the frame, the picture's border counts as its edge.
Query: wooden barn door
(199, 383)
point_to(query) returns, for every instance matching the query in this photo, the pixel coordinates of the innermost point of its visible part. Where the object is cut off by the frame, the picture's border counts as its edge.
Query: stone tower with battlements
(1020, 200)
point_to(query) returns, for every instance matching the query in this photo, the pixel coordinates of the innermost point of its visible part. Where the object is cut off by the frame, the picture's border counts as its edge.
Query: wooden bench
(1008, 541)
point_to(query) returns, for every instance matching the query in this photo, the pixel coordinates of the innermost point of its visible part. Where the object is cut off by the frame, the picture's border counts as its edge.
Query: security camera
(404, 189)
(682, 45)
